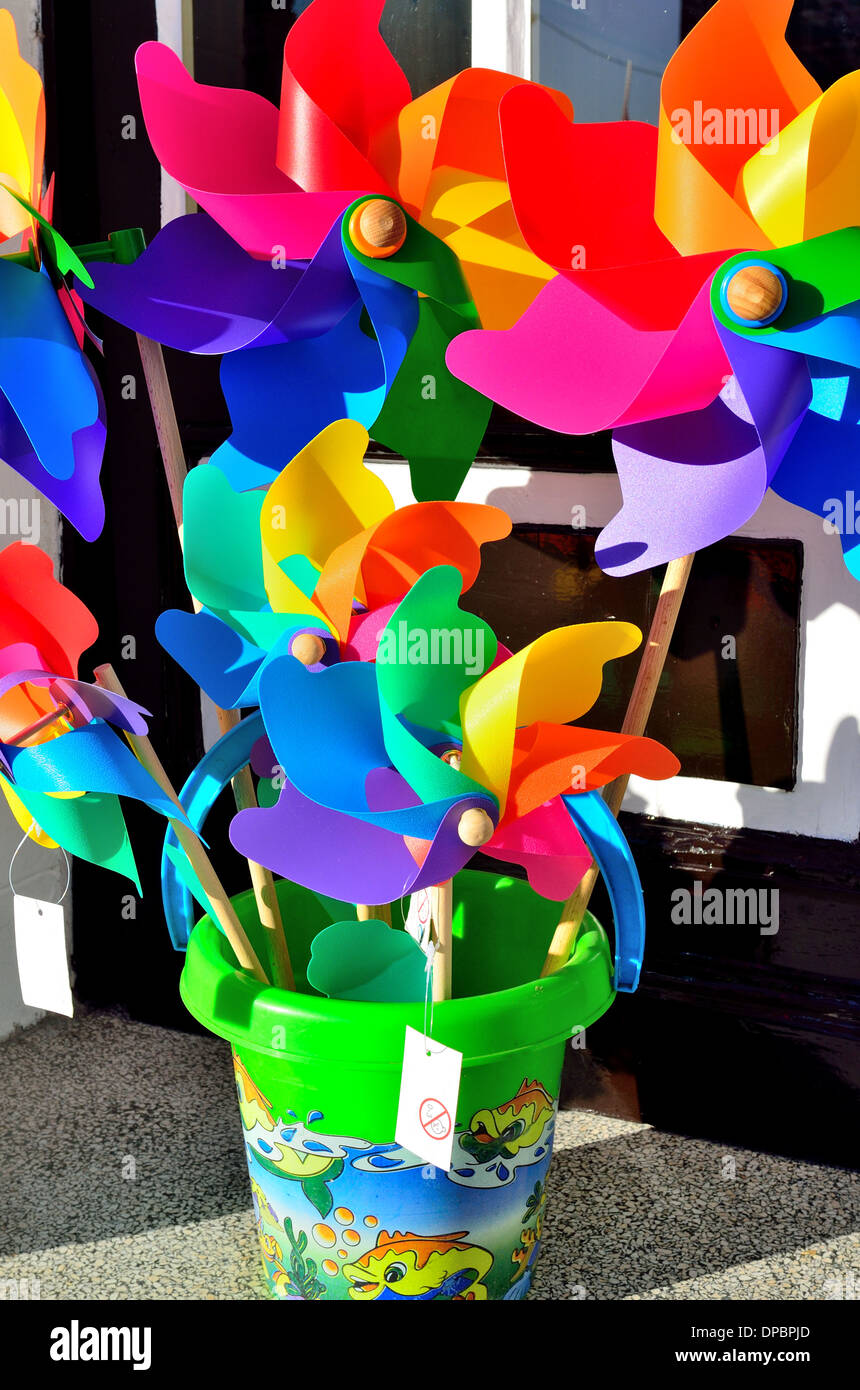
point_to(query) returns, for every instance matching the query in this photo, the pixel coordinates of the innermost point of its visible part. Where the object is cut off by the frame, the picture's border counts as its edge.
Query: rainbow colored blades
(640, 332)
(58, 450)
(362, 233)
(62, 767)
(322, 553)
(397, 772)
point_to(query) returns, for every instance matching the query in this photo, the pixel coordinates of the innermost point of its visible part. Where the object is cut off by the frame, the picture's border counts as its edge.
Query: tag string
(24, 838)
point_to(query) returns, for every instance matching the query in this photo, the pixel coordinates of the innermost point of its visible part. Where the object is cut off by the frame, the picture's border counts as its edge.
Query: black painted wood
(750, 1039)
(727, 703)
(104, 183)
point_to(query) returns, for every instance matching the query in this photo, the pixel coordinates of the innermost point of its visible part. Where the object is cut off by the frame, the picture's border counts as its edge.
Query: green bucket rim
(537, 1013)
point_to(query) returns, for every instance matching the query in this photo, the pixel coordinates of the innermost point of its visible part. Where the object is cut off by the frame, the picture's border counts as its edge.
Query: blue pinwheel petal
(59, 450)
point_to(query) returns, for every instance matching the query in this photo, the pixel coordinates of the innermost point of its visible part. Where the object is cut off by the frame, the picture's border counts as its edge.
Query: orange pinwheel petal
(735, 60)
(551, 759)
(380, 564)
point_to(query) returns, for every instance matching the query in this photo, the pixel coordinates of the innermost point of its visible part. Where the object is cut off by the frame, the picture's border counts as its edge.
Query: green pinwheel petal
(57, 250)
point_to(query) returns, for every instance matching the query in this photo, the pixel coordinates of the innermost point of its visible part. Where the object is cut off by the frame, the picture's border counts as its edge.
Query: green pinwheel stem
(121, 247)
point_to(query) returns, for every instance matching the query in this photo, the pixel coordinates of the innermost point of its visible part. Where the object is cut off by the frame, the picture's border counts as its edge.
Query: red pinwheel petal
(583, 195)
(341, 88)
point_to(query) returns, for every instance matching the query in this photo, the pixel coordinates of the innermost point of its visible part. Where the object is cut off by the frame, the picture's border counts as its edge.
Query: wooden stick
(376, 913)
(166, 424)
(443, 903)
(261, 879)
(52, 717)
(175, 471)
(635, 723)
(222, 907)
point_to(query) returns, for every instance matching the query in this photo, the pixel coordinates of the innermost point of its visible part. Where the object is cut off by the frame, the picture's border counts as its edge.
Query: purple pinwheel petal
(263, 761)
(194, 289)
(333, 853)
(90, 701)
(690, 480)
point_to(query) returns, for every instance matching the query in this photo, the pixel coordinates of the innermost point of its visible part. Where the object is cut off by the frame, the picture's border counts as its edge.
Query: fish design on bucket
(420, 1268)
(515, 1125)
(287, 1148)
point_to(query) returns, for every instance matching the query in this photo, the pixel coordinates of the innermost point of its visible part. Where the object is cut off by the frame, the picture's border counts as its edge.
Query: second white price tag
(429, 1091)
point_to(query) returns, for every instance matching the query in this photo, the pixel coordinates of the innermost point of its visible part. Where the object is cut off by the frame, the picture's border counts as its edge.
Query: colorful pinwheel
(638, 333)
(58, 450)
(269, 567)
(396, 772)
(62, 767)
(354, 298)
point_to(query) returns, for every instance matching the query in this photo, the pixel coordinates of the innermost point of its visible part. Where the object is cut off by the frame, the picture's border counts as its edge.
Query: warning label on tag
(429, 1089)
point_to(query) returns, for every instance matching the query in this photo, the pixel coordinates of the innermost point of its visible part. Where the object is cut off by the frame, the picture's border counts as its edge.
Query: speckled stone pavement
(122, 1176)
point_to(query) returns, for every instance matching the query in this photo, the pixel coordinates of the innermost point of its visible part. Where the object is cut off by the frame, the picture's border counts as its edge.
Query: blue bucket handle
(215, 770)
(613, 857)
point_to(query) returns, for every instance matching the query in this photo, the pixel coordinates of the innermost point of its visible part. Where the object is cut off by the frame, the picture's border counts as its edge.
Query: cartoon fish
(515, 1125)
(420, 1268)
(314, 1171)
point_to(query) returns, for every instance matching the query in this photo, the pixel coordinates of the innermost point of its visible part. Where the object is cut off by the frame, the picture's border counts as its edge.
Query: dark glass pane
(738, 621)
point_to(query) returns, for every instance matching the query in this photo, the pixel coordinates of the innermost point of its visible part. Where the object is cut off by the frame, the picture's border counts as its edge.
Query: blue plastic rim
(588, 811)
(724, 293)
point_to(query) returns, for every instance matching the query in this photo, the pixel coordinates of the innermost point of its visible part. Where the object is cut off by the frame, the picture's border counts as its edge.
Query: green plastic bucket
(342, 1211)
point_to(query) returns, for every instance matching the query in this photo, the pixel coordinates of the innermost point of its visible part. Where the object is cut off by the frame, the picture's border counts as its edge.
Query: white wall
(39, 872)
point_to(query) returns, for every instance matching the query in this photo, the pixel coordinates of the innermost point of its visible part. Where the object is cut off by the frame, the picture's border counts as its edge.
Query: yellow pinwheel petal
(23, 817)
(806, 182)
(22, 130)
(323, 498)
(555, 679)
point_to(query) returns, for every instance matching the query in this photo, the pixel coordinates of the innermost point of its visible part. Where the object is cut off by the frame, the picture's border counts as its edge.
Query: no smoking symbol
(434, 1118)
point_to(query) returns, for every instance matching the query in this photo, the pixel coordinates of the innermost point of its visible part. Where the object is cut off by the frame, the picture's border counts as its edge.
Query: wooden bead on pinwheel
(378, 228)
(475, 827)
(754, 293)
(308, 648)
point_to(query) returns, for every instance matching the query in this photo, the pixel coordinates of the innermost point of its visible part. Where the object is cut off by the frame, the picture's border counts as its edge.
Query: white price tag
(429, 1090)
(419, 917)
(40, 943)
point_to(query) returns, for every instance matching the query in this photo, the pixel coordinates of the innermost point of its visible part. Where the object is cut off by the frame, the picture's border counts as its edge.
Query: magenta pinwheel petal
(545, 843)
(221, 144)
(574, 365)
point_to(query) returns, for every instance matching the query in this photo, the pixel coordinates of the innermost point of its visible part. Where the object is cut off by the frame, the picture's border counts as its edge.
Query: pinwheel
(63, 767)
(397, 772)
(59, 451)
(299, 189)
(650, 330)
(280, 571)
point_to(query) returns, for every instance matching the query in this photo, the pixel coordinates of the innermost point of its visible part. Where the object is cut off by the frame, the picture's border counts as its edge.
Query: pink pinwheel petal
(220, 144)
(364, 631)
(572, 365)
(546, 843)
